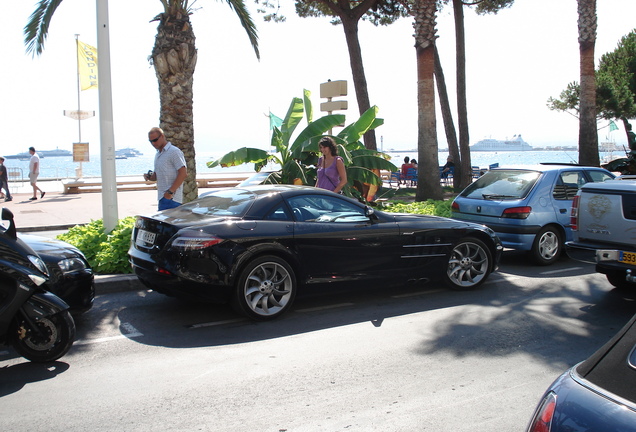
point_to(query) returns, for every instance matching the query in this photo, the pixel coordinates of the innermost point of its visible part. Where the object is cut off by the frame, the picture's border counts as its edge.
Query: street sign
(80, 152)
(79, 114)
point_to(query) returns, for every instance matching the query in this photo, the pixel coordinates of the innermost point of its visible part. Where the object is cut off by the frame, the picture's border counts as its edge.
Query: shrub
(429, 207)
(106, 253)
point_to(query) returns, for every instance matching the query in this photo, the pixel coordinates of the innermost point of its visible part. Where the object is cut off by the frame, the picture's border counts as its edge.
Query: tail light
(574, 214)
(454, 206)
(542, 420)
(190, 239)
(517, 212)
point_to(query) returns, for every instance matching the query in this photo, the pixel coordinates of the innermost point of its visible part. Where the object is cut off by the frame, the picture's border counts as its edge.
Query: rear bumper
(606, 259)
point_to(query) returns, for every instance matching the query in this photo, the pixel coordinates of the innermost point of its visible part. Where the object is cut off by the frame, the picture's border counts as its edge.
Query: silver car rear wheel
(266, 288)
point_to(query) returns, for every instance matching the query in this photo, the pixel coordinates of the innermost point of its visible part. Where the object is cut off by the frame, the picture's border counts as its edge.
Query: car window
(225, 202)
(279, 213)
(502, 184)
(321, 208)
(599, 176)
(568, 184)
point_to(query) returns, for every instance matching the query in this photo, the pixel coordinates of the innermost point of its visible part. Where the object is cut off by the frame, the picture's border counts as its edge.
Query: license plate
(145, 238)
(627, 257)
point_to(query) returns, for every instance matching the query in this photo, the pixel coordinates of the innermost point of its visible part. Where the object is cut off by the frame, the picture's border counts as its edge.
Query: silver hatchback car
(527, 206)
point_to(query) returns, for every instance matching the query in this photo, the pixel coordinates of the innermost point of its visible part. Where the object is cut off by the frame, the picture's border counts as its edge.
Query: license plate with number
(627, 257)
(145, 238)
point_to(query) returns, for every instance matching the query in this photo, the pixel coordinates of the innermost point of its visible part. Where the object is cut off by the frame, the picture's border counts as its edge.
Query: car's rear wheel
(468, 264)
(266, 288)
(547, 246)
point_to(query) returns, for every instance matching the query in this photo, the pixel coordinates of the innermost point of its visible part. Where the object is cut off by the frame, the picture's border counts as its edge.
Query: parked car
(598, 394)
(604, 229)
(69, 274)
(528, 207)
(255, 246)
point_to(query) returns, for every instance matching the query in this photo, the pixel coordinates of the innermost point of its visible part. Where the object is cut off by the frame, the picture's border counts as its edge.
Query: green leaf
(292, 119)
(314, 129)
(363, 175)
(309, 108)
(354, 131)
(241, 156)
(373, 162)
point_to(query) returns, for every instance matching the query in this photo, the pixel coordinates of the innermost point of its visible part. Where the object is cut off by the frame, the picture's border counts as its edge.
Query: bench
(136, 183)
(95, 185)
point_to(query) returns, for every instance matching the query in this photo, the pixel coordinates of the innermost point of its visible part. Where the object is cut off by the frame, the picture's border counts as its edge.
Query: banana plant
(298, 157)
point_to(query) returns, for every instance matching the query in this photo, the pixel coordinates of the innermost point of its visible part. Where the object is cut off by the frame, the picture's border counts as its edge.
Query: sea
(64, 167)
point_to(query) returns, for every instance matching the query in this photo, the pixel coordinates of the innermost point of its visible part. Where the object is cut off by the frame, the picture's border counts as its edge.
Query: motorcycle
(35, 322)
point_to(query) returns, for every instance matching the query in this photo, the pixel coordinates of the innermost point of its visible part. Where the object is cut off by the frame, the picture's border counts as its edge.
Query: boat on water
(515, 144)
(127, 152)
(42, 153)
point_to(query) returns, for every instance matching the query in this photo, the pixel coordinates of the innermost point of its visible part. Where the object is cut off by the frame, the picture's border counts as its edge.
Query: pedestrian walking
(4, 180)
(170, 170)
(34, 172)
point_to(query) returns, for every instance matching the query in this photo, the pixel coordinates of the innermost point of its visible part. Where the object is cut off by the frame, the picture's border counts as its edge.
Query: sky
(516, 60)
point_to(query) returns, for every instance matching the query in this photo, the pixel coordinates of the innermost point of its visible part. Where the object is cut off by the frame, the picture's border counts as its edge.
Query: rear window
(502, 184)
(224, 202)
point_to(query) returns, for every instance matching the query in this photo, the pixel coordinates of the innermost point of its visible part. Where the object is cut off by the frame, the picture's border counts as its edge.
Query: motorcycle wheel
(56, 338)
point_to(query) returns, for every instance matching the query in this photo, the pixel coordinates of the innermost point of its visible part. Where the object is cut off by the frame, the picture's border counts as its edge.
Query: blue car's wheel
(547, 246)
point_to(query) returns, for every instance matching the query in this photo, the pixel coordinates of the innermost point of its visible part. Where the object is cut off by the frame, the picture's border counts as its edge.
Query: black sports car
(255, 245)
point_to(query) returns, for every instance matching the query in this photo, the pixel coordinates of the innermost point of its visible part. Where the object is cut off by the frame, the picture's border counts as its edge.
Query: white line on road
(565, 270)
(320, 308)
(216, 323)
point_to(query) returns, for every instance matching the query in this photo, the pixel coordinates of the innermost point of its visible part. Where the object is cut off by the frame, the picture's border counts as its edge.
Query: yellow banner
(87, 65)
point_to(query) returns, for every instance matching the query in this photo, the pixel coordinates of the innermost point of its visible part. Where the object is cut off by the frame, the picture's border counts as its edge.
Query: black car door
(336, 241)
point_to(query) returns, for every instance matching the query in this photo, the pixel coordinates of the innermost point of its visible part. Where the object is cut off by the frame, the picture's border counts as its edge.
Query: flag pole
(79, 121)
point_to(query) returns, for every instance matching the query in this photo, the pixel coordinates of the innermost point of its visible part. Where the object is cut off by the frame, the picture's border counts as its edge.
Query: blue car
(598, 394)
(527, 206)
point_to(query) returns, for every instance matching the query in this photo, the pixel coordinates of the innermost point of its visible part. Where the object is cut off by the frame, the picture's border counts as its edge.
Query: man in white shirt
(170, 170)
(34, 171)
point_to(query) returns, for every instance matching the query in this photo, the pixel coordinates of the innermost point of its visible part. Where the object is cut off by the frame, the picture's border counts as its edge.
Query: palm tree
(428, 185)
(588, 136)
(174, 58)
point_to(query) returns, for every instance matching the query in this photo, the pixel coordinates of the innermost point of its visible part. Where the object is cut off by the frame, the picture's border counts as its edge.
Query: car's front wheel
(266, 288)
(547, 246)
(468, 264)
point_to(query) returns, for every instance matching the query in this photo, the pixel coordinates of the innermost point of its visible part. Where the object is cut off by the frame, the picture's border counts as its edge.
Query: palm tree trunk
(428, 185)
(465, 170)
(588, 135)
(174, 57)
(447, 115)
(350, 26)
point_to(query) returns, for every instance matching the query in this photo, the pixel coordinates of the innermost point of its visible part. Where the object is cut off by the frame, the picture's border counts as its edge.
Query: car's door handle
(563, 210)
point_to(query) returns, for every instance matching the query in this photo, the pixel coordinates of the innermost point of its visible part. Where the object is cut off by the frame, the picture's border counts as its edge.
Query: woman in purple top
(332, 174)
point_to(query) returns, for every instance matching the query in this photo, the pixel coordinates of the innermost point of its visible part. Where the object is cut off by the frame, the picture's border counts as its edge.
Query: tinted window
(226, 202)
(321, 208)
(568, 184)
(279, 213)
(502, 184)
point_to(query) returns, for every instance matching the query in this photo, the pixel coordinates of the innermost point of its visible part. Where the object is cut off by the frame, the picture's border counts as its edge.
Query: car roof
(547, 166)
(613, 366)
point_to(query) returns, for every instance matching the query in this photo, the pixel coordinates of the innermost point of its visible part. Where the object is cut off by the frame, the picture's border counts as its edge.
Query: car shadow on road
(543, 312)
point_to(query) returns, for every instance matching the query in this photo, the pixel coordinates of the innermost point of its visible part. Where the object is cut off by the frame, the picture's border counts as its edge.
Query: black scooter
(34, 321)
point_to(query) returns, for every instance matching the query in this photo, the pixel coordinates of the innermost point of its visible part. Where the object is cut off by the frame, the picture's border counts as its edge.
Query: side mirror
(8, 216)
(368, 211)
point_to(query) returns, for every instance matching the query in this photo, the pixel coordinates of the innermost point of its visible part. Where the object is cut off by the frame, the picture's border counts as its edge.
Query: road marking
(131, 333)
(320, 308)
(216, 323)
(561, 270)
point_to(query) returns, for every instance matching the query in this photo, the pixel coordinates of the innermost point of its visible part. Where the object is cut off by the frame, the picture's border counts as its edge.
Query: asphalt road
(411, 358)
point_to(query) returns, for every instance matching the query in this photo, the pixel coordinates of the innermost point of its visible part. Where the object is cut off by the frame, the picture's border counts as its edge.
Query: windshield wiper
(496, 196)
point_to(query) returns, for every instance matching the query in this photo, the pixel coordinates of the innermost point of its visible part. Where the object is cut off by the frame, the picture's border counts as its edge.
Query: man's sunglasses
(155, 140)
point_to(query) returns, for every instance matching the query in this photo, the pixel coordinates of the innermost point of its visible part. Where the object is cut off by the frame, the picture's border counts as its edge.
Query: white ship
(515, 144)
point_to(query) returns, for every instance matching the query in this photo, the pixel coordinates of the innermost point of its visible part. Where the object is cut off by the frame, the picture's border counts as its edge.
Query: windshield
(225, 202)
(502, 184)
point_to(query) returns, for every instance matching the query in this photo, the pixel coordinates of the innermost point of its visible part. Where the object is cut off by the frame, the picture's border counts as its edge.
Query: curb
(108, 284)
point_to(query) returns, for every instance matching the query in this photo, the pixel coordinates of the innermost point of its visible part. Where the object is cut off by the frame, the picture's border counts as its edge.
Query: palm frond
(246, 21)
(37, 28)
